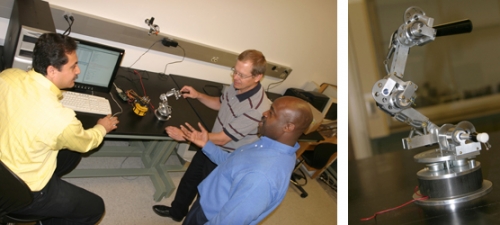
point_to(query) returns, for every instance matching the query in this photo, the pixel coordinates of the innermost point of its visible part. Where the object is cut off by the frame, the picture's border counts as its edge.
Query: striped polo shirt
(240, 114)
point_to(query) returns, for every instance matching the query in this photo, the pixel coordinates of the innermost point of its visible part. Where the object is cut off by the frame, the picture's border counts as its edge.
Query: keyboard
(81, 102)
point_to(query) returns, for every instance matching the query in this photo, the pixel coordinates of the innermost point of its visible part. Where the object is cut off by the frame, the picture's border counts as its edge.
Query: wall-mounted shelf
(103, 28)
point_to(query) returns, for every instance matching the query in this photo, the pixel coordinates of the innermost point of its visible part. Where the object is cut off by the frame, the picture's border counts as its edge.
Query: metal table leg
(154, 154)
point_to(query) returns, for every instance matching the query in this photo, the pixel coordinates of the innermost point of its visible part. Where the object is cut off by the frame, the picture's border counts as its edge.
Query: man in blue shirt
(251, 182)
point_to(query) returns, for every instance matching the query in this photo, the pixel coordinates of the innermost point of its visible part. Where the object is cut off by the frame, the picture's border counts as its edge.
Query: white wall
(296, 33)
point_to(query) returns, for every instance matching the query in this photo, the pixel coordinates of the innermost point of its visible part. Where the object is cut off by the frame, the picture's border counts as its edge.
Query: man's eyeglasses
(235, 73)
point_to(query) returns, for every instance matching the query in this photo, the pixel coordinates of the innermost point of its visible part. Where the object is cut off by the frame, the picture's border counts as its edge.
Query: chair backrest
(320, 155)
(14, 193)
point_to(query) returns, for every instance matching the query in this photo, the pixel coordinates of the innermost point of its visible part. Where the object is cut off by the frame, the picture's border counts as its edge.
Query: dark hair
(50, 50)
(258, 61)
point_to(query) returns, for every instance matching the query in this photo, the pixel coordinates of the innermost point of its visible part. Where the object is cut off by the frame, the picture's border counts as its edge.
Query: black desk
(146, 135)
(148, 125)
(388, 180)
(210, 88)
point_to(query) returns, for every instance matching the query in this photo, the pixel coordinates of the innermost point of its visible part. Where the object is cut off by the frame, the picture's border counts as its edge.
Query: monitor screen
(98, 65)
(331, 112)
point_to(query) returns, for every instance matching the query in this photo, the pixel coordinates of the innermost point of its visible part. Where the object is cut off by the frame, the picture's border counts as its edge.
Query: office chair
(317, 160)
(329, 176)
(14, 195)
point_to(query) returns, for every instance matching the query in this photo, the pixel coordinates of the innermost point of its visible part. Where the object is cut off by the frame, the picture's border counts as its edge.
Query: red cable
(397, 207)
(143, 89)
(416, 192)
(140, 79)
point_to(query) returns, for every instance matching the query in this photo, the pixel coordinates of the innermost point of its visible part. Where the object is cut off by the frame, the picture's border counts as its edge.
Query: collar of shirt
(40, 78)
(243, 96)
(272, 144)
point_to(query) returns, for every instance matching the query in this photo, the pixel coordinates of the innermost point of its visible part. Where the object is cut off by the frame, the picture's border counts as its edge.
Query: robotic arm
(451, 175)
(164, 111)
(396, 96)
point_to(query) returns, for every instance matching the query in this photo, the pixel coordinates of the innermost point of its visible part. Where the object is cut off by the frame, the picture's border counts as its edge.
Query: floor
(129, 199)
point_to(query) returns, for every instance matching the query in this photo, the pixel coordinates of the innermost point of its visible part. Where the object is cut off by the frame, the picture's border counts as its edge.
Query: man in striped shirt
(240, 110)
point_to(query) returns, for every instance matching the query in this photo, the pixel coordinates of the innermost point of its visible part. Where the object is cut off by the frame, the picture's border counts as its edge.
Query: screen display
(98, 65)
(331, 114)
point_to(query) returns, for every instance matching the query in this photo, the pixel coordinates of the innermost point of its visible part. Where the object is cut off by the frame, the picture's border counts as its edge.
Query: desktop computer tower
(29, 19)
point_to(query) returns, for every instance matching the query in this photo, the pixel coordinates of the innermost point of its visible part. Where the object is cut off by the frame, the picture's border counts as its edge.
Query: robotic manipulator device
(164, 111)
(140, 104)
(451, 175)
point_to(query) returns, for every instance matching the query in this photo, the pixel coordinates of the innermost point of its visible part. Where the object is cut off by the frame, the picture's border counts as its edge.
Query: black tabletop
(206, 115)
(148, 125)
(388, 180)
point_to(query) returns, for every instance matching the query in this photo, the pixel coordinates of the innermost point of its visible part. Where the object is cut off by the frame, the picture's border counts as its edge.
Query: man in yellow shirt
(35, 128)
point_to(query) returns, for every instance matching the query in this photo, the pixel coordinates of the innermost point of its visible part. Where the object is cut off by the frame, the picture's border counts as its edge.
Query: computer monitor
(330, 110)
(98, 66)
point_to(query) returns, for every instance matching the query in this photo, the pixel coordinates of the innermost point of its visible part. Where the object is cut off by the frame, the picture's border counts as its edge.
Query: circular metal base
(452, 202)
(461, 178)
(161, 117)
(435, 155)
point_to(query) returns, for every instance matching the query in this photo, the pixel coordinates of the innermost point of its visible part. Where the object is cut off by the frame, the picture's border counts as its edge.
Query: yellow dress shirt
(34, 126)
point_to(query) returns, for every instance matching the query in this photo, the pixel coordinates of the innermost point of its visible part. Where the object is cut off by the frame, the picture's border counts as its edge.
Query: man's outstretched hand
(199, 138)
(175, 133)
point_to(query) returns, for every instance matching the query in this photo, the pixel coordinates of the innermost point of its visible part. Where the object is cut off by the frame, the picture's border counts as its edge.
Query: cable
(397, 207)
(415, 190)
(143, 89)
(276, 83)
(144, 53)
(67, 20)
(183, 56)
(162, 77)
(121, 166)
(145, 75)
(70, 24)
(118, 91)
(209, 93)
(279, 82)
(142, 84)
(132, 79)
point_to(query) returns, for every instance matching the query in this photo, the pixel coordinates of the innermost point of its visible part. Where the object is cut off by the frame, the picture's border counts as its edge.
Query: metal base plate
(452, 202)
(450, 183)
(434, 156)
(161, 117)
